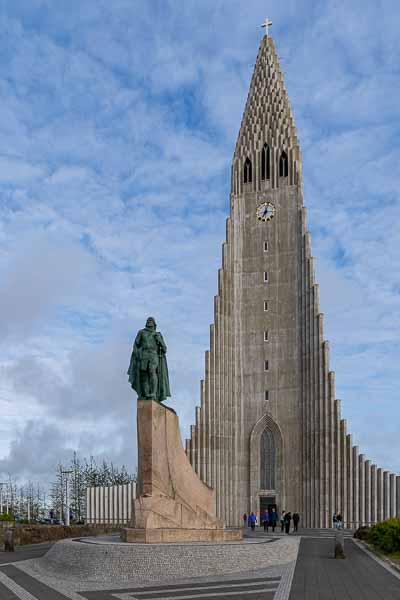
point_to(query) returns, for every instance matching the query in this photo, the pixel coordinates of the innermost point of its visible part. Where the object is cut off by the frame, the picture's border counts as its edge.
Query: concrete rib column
(367, 477)
(356, 488)
(379, 496)
(234, 511)
(221, 411)
(361, 492)
(338, 488)
(224, 399)
(392, 487)
(198, 440)
(309, 391)
(349, 475)
(321, 423)
(386, 495)
(327, 507)
(207, 417)
(217, 392)
(212, 406)
(193, 445)
(343, 469)
(305, 381)
(398, 496)
(374, 495)
(202, 471)
(304, 358)
(314, 395)
(332, 478)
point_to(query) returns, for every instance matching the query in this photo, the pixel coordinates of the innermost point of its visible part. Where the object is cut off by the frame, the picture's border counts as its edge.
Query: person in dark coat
(296, 519)
(244, 520)
(265, 519)
(288, 518)
(273, 518)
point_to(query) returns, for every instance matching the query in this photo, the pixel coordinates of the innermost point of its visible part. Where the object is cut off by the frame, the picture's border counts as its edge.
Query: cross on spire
(267, 23)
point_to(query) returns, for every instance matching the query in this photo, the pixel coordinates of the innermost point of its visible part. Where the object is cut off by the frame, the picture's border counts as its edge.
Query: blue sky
(118, 122)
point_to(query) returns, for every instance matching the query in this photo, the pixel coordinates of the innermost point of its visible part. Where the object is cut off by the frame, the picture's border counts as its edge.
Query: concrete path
(318, 576)
(25, 552)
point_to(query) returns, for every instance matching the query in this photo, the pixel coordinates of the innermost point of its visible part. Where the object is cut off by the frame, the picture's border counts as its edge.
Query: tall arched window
(268, 461)
(265, 163)
(247, 175)
(283, 165)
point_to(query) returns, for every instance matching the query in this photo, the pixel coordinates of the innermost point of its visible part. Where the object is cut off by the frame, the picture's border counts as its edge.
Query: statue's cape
(134, 372)
(163, 379)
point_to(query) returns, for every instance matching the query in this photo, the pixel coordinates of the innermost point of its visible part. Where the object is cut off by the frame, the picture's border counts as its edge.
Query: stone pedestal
(172, 504)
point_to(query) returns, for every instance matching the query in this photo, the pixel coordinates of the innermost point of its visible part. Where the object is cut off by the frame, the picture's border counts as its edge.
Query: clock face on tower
(265, 211)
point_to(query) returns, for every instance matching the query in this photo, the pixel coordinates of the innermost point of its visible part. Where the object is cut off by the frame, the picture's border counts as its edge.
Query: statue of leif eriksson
(148, 370)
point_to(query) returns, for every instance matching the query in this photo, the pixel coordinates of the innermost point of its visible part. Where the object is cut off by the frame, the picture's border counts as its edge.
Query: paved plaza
(312, 575)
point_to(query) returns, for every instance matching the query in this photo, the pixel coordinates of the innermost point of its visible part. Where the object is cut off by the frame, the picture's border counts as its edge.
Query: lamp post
(67, 474)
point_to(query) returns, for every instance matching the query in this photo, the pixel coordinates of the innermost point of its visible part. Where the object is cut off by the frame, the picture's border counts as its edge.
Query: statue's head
(151, 323)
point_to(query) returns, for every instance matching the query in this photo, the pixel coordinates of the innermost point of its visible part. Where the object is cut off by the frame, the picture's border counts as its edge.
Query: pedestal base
(170, 536)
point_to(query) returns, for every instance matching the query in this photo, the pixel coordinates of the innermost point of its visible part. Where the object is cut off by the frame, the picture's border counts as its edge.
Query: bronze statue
(148, 370)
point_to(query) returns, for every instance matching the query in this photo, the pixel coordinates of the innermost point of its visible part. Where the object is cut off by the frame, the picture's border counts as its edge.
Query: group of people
(337, 520)
(270, 518)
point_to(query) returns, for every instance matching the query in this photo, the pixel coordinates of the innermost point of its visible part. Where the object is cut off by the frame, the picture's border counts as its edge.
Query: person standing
(273, 518)
(244, 520)
(334, 520)
(252, 521)
(339, 521)
(296, 519)
(283, 520)
(266, 520)
(288, 518)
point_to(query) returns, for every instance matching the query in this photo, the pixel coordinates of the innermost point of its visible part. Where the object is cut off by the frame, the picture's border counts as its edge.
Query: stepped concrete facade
(269, 429)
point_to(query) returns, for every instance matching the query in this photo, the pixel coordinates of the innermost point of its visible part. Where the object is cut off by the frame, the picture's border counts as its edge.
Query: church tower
(268, 430)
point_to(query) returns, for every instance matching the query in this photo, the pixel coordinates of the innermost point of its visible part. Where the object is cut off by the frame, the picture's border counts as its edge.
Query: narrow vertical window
(283, 165)
(265, 336)
(265, 246)
(247, 174)
(267, 461)
(265, 276)
(265, 163)
(265, 305)
(266, 365)
(266, 395)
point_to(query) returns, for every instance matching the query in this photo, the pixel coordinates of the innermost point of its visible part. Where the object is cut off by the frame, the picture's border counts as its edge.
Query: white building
(110, 504)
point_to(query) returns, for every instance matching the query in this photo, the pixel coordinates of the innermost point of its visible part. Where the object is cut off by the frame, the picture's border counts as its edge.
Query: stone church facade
(269, 429)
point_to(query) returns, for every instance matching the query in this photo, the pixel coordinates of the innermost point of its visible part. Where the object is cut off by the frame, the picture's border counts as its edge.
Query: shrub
(6, 517)
(362, 533)
(386, 536)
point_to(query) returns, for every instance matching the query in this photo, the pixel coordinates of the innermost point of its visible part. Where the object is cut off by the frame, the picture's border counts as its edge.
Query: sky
(118, 123)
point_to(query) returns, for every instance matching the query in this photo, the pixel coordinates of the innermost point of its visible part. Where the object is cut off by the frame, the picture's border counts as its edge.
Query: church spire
(267, 123)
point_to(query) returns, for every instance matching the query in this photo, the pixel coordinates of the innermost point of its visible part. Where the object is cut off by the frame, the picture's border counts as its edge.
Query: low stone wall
(35, 534)
(102, 561)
